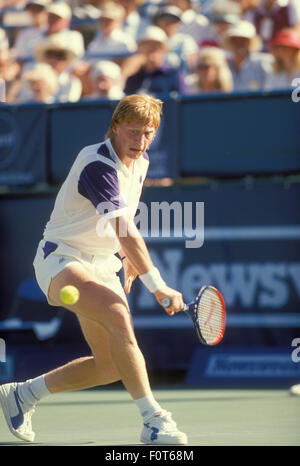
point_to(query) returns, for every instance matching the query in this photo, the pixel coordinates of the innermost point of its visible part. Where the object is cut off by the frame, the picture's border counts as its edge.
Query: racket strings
(210, 316)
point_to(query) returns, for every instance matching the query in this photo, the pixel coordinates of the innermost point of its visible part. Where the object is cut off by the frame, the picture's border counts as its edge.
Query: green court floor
(209, 417)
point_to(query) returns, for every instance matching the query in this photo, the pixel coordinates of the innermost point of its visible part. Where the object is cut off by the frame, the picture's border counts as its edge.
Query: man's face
(132, 139)
(103, 84)
(107, 25)
(56, 23)
(240, 45)
(154, 52)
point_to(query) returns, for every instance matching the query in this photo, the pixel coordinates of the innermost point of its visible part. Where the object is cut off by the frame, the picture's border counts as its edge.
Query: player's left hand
(130, 275)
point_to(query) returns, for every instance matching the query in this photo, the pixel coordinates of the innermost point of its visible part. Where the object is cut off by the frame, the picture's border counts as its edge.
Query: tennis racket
(208, 313)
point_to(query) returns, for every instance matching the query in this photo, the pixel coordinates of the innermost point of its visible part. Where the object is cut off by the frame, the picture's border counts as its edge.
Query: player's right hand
(175, 297)
(130, 275)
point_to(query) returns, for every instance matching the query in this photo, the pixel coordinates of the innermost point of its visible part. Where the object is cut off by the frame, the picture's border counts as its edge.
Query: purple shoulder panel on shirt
(49, 247)
(104, 150)
(99, 184)
(146, 156)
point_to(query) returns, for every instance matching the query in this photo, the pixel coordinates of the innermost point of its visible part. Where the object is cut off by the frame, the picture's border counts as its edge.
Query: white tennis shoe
(17, 415)
(160, 429)
(295, 390)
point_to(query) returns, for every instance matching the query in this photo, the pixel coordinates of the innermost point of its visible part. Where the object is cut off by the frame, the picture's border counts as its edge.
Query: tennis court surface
(215, 417)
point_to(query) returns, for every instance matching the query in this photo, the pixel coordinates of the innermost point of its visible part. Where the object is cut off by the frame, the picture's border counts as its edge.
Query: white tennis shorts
(52, 257)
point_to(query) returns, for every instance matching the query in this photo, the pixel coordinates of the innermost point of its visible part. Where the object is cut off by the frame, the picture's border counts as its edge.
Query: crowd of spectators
(72, 50)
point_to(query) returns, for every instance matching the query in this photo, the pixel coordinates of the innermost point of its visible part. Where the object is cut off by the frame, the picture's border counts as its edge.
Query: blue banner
(238, 134)
(23, 145)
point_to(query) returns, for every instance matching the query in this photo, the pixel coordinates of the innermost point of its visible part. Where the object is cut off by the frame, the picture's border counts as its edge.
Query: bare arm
(134, 248)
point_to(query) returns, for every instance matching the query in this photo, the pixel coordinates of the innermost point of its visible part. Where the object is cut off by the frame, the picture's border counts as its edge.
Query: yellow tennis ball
(69, 294)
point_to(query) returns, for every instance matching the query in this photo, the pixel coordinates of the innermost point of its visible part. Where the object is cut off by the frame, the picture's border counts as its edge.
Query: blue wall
(229, 135)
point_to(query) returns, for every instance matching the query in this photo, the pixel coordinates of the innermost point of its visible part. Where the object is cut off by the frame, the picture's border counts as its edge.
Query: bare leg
(99, 304)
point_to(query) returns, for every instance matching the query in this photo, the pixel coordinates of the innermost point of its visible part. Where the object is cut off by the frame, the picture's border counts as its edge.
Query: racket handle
(166, 302)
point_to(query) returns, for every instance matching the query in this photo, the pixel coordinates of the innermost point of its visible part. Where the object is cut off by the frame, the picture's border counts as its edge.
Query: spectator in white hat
(40, 85)
(28, 38)
(59, 22)
(110, 41)
(107, 82)
(48, 18)
(153, 74)
(184, 46)
(59, 55)
(248, 66)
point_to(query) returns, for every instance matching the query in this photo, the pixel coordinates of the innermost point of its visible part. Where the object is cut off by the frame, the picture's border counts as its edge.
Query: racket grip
(166, 302)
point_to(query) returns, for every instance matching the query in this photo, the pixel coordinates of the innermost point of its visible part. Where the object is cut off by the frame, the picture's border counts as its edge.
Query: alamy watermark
(296, 91)
(296, 351)
(2, 350)
(183, 220)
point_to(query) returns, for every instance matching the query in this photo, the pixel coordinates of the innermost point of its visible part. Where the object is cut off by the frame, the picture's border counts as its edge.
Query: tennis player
(91, 222)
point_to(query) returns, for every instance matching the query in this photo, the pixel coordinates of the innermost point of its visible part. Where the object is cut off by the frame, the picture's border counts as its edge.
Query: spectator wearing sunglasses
(212, 73)
(60, 56)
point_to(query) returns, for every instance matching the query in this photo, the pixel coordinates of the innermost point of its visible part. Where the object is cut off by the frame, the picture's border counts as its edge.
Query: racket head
(208, 312)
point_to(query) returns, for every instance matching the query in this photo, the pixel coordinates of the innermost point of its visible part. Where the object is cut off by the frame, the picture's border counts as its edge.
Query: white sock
(147, 406)
(33, 390)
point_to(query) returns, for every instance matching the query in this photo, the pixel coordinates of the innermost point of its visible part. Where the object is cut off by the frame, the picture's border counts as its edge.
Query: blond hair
(215, 57)
(137, 107)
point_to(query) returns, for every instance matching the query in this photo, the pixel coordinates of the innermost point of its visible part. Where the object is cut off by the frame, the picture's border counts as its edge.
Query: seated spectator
(168, 18)
(212, 72)
(153, 74)
(39, 83)
(192, 22)
(59, 22)
(285, 48)
(9, 68)
(110, 41)
(59, 16)
(29, 37)
(223, 14)
(60, 56)
(273, 15)
(134, 24)
(248, 67)
(107, 81)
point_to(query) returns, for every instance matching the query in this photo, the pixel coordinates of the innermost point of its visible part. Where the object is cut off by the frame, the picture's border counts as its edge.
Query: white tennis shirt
(98, 187)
